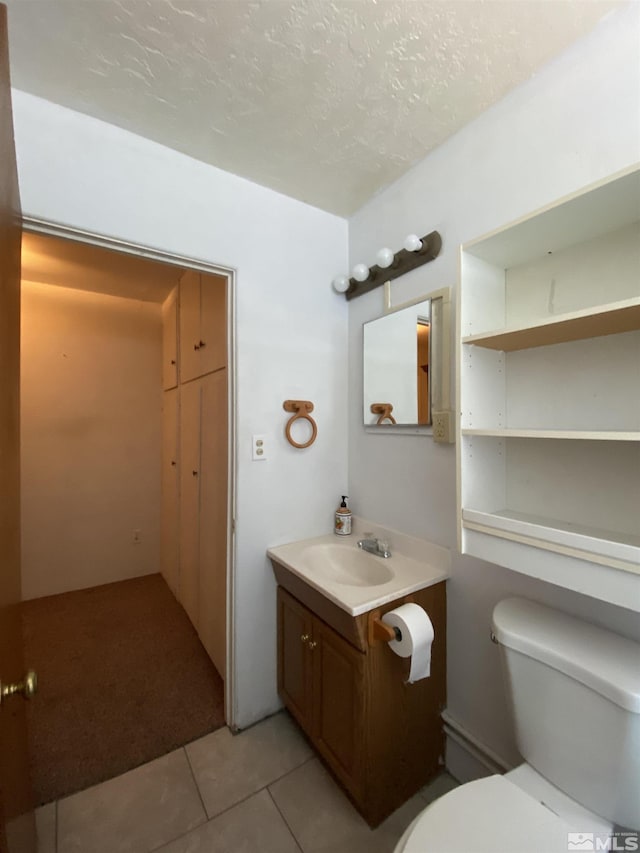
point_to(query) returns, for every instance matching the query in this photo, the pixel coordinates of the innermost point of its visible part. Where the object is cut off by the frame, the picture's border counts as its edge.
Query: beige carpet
(123, 679)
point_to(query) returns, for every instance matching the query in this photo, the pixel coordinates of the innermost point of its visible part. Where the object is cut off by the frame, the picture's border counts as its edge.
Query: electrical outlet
(443, 427)
(258, 448)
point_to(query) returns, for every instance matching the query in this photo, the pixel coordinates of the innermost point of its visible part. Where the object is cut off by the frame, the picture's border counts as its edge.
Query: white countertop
(409, 573)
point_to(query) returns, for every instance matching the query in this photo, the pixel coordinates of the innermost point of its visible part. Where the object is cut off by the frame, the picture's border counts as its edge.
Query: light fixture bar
(403, 262)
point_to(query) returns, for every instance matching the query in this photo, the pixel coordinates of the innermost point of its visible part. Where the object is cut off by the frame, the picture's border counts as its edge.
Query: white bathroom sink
(347, 565)
(354, 579)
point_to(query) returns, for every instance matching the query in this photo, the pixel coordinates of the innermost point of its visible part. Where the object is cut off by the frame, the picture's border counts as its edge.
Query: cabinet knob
(305, 638)
(196, 346)
(27, 687)
(203, 344)
(312, 645)
(195, 473)
(173, 361)
(173, 462)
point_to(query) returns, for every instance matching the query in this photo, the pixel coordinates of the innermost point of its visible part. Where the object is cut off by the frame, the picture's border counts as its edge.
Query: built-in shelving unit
(549, 393)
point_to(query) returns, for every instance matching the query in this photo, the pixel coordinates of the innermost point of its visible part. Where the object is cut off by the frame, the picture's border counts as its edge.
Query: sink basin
(353, 579)
(346, 564)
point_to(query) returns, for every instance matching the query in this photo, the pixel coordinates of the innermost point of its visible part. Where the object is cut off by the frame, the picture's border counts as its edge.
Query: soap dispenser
(342, 525)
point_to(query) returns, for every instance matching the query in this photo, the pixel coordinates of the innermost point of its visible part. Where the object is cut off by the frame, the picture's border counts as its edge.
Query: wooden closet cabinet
(381, 737)
(195, 455)
(203, 510)
(203, 323)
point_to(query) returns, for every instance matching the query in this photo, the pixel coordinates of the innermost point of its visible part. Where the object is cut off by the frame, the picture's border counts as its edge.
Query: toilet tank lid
(603, 661)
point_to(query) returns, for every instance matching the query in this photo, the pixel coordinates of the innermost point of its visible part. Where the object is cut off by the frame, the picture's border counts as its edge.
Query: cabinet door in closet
(213, 323)
(190, 404)
(170, 341)
(203, 324)
(169, 529)
(189, 325)
(212, 623)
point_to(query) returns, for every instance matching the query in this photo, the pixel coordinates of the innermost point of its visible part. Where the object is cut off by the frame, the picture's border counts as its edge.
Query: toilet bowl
(574, 691)
(519, 812)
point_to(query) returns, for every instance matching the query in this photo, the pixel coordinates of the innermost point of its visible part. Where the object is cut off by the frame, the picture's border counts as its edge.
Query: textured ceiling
(325, 100)
(81, 266)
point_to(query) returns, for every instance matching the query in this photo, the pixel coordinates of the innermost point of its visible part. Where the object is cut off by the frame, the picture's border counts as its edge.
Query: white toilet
(575, 694)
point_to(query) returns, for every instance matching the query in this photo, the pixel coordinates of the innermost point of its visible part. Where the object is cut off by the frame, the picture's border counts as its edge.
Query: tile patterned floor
(261, 791)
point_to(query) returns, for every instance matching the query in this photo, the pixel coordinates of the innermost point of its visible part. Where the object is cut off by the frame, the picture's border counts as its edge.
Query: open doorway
(126, 505)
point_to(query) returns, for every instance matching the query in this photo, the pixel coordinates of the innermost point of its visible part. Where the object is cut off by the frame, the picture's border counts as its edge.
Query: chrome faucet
(374, 546)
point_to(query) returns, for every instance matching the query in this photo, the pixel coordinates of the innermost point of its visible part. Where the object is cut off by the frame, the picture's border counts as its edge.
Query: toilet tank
(574, 690)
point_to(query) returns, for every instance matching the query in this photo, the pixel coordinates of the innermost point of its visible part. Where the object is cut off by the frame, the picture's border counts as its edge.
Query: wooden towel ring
(384, 410)
(301, 409)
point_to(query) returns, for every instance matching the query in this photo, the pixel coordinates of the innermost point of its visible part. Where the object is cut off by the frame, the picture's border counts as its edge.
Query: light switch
(258, 448)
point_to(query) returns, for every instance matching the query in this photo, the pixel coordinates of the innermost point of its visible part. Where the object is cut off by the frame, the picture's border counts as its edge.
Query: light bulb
(360, 272)
(385, 258)
(413, 243)
(341, 283)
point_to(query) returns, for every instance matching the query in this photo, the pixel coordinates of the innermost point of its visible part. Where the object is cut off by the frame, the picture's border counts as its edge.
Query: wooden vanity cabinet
(381, 737)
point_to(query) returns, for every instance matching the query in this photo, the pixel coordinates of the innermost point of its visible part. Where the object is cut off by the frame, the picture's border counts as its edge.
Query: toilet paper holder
(381, 631)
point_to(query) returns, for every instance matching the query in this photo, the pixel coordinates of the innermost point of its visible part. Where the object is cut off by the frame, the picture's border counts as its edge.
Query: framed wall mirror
(406, 362)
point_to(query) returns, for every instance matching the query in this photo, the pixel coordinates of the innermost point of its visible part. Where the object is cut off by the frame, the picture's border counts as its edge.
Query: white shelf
(572, 434)
(603, 207)
(613, 318)
(618, 550)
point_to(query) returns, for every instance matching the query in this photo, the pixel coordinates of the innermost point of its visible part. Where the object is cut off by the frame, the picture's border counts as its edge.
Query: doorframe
(35, 225)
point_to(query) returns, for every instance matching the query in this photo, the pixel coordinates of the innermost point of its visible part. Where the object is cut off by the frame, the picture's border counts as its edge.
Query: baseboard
(466, 757)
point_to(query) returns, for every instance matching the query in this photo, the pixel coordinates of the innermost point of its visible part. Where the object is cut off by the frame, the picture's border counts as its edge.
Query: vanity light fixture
(385, 258)
(341, 284)
(360, 272)
(412, 243)
(416, 252)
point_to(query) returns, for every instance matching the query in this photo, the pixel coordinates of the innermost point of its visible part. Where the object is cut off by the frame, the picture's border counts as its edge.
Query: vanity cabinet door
(295, 683)
(338, 704)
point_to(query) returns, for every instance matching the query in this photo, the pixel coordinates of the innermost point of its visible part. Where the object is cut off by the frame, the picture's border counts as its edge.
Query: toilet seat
(490, 815)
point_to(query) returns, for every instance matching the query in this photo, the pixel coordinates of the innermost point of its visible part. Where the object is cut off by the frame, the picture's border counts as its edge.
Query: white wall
(290, 327)
(577, 121)
(90, 432)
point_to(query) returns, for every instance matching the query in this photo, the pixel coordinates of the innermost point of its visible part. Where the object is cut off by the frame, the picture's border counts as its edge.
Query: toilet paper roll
(416, 637)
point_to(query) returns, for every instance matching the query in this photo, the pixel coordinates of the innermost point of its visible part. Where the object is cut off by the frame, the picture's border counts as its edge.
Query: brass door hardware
(305, 638)
(27, 687)
(312, 645)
